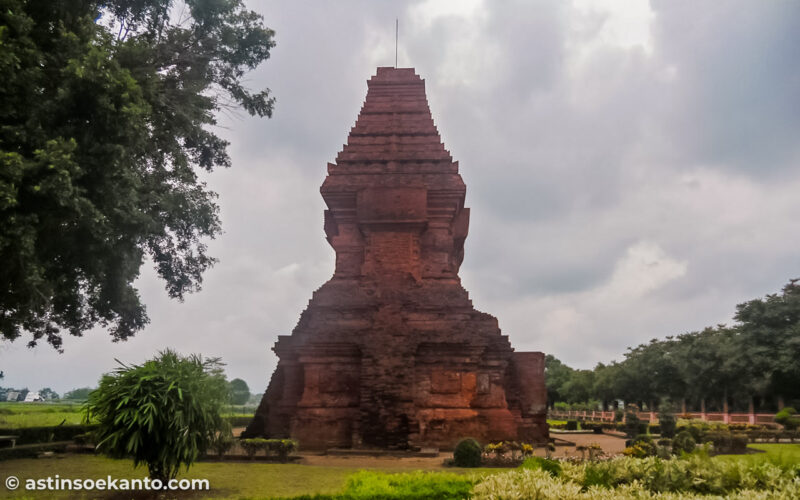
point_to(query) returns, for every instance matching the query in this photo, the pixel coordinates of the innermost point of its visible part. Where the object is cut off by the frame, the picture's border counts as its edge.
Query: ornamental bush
(253, 445)
(693, 478)
(788, 418)
(683, 442)
(552, 467)
(222, 443)
(467, 453)
(281, 447)
(164, 413)
(667, 424)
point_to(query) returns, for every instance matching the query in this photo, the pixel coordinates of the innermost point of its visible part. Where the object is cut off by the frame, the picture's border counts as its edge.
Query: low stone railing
(652, 417)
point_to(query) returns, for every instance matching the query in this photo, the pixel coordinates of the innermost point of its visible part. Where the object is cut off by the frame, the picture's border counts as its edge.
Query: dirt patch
(611, 445)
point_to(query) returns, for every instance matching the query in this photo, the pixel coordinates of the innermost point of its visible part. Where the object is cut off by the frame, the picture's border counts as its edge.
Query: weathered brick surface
(390, 352)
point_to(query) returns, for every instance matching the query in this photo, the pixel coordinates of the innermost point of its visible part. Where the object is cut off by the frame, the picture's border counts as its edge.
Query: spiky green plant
(163, 413)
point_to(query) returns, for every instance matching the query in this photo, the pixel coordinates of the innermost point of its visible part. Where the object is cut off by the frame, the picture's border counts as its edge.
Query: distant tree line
(753, 363)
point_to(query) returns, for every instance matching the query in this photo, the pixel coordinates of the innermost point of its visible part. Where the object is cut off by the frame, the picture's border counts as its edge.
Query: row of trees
(754, 361)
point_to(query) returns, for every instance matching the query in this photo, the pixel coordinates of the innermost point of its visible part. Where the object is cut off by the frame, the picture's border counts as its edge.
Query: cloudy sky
(633, 170)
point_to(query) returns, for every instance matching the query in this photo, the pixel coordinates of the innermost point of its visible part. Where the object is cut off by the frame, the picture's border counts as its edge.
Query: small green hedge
(47, 434)
(418, 485)
(280, 447)
(467, 453)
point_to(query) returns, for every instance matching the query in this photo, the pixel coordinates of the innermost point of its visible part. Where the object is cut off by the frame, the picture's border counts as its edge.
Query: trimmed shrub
(633, 425)
(683, 442)
(222, 444)
(572, 425)
(727, 442)
(552, 467)
(788, 419)
(281, 447)
(253, 445)
(467, 453)
(667, 423)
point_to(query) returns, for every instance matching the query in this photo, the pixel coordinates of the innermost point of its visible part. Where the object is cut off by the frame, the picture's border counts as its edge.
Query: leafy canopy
(104, 128)
(163, 413)
(239, 391)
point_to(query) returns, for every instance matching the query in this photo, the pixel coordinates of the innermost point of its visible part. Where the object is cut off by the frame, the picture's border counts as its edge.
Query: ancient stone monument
(390, 351)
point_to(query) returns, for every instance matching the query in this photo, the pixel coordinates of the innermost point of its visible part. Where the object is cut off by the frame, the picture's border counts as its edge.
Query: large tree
(105, 109)
(239, 392)
(768, 346)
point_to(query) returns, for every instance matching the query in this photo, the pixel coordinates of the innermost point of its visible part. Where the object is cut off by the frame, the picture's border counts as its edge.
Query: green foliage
(641, 447)
(81, 394)
(552, 467)
(667, 424)
(239, 392)
(755, 356)
(238, 421)
(787, 418)
(252, 446)
(105, 128)
(628, 478)
(572, 425)
(20, 415)
(597, 474)
(467, 453)
(282, 447)
(633, 424)
(47, 434)
(163, 413)
(726, 441)
(412, 485)
(684, 442)
(418, 485)
(48, 394)
(222, 443)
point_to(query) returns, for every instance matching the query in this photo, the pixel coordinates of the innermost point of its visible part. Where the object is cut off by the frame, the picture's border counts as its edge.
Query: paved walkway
(611, 445)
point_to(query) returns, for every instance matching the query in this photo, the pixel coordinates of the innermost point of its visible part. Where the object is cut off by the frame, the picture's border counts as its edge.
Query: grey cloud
(687, 149)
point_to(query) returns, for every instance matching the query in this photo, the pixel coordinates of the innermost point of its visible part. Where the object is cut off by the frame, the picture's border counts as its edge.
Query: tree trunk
(725, 401)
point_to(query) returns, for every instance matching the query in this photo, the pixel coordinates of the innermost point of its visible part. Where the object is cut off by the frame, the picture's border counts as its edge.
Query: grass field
(231, 480)
(779, 454)
(228, 480)
(18, 415)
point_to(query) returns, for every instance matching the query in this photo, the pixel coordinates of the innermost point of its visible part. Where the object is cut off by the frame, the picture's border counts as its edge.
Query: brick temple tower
(390, 351)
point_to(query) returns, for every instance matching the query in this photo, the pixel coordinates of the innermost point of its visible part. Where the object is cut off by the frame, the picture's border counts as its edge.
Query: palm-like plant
(163, 413)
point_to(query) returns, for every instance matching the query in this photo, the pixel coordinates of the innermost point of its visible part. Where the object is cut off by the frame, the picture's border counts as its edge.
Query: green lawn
(228, 480)
(778, 454)
(18, 415)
